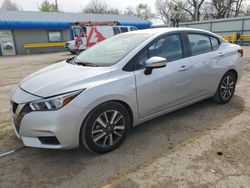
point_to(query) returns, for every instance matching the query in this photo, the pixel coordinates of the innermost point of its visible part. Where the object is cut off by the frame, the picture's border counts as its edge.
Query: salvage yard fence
(227, 28)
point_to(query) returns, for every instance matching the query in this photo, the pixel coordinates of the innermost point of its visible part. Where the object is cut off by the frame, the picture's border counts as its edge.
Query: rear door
(164, 87)
(205, 58)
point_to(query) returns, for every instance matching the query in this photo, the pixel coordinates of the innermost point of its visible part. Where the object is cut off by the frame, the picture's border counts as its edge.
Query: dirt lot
(165, 136)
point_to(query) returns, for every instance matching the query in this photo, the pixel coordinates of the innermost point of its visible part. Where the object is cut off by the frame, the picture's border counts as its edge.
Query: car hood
(63, 77)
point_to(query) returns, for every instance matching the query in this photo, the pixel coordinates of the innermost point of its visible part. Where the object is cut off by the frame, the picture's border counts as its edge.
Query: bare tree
(226, 8)
(222, 8)
(9, 5)
(166, 8)
(237, 7)
(99, 7)
(163, 10)
(201, 9)
(247, 12)
(142, 11)
(192, 7)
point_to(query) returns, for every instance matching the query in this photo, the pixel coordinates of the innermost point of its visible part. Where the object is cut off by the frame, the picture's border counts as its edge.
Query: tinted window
(169, 47)
(199, 44)
(116, 30)
(124, 29)
(215, 43)
(133, 29)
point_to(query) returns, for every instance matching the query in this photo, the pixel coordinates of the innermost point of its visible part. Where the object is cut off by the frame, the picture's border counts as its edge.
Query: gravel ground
(165, 136)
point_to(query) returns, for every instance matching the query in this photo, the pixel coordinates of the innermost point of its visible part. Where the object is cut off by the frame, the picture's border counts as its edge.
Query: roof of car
(167, 29)
(159, 31)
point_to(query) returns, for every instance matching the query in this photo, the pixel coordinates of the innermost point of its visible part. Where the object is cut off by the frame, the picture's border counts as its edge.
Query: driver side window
(169, 47)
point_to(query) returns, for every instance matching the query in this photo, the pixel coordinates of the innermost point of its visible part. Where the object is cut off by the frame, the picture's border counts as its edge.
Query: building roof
(59, 20)
(63, 17)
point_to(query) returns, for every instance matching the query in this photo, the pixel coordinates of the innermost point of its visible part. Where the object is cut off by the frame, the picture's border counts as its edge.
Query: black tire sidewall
(86, 131)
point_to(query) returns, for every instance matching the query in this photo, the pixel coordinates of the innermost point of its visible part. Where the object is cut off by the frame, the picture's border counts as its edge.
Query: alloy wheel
(227, 87)
(108, 128)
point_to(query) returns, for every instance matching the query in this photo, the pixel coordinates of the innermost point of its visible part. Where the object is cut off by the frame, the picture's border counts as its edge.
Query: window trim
(61, 36)
(210, 36)
(130, 66)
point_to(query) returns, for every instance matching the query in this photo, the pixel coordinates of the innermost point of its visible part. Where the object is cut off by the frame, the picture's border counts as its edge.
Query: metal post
(242, 29)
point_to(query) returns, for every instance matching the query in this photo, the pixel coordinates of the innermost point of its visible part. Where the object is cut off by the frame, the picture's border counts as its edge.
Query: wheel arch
(126, 105)
(234, 72)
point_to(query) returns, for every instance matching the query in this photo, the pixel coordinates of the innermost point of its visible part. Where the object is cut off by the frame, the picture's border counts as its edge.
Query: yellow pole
(233, 37)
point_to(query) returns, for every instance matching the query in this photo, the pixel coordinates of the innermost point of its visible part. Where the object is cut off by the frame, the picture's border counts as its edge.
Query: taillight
(241, 52)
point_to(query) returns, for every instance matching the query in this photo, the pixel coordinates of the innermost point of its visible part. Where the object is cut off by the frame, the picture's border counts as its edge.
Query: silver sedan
(93, 99)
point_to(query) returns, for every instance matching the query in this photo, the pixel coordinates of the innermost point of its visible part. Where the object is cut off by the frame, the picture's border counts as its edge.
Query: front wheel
(105, 127)
(226, 88)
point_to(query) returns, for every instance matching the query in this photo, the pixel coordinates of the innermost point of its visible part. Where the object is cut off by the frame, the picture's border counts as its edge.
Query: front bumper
(45, 129)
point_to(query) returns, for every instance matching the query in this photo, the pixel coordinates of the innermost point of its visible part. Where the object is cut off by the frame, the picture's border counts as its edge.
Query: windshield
(110, 51)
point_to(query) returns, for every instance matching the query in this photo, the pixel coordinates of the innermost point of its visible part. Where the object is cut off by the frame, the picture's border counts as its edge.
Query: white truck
(87, 34)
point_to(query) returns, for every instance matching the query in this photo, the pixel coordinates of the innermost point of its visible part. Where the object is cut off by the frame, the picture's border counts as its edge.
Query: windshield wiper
(70, 60)
(86, 64)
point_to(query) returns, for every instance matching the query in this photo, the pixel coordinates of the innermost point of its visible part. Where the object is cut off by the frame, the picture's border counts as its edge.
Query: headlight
(53, 103)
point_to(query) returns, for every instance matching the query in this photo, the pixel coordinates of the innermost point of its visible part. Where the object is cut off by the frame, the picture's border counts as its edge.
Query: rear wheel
(105, 127)
(226, 88)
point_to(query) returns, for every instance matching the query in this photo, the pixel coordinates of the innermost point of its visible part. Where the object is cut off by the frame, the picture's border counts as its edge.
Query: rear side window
(124, 29)
(215, 43)
(199, 44)
(116, 30)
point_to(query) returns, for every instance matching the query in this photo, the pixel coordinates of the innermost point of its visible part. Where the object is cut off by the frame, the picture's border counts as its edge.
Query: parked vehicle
(87, 34)
(94, 99)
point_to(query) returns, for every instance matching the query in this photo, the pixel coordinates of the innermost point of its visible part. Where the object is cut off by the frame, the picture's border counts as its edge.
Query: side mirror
(153, 63)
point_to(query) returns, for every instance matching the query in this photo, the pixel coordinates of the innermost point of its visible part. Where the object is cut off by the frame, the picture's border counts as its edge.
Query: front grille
(18, 118)
(14, 106)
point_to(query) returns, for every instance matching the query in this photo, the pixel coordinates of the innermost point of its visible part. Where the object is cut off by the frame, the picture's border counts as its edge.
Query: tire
(100, 132)
(226, 88)
(72, 52)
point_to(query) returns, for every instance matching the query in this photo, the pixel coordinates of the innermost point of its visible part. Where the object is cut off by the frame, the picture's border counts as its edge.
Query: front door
(164, 87)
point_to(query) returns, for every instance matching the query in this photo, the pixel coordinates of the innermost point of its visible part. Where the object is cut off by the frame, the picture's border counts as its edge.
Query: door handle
(220, 54)
(183, 68)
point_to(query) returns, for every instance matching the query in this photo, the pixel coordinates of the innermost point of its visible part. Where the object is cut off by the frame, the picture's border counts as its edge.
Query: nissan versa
(94, 98)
